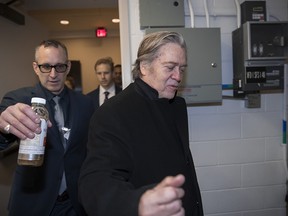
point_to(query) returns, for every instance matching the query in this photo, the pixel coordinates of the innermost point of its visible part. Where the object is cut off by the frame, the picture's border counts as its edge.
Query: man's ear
(143, 68)
(69, 67)
(35, 67)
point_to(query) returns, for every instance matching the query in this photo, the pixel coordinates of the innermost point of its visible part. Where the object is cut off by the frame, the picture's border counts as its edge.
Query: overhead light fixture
(115, 20)
(101, 32)
(64, 22)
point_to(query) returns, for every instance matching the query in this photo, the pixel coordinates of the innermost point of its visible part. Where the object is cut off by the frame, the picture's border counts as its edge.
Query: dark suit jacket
(35, 189)
(95, 95)
(134, 147)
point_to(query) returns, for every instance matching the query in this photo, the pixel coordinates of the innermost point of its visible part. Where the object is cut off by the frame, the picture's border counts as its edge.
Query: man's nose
(177, 75)
(53, 72)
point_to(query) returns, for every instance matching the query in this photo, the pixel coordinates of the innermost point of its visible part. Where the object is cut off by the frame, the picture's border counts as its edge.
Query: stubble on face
(165, 72)
(105, 75)
(52, 81)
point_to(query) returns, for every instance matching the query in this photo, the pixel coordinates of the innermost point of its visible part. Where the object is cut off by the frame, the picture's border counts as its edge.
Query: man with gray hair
(138, 160)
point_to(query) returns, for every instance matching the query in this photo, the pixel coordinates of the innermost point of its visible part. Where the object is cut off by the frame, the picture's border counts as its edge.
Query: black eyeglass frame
(40, 66)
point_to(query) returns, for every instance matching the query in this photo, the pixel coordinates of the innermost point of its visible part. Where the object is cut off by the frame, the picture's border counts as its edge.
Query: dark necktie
(59, 118)
(106, 95)
(58, 115)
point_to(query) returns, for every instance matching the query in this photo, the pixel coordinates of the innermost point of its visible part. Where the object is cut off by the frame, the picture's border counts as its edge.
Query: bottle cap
(38, 100)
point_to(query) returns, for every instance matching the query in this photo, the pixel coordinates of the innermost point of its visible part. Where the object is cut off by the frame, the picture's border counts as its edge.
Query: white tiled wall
(238, 152)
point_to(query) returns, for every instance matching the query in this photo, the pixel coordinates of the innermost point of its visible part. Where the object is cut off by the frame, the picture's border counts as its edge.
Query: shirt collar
(110, 90)
(49, 95)
(146, 90)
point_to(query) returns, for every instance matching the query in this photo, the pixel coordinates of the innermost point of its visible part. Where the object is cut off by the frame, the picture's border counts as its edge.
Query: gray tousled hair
(150, 45)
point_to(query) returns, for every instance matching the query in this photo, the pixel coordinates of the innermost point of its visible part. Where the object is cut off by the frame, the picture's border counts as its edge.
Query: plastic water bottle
(31, 151)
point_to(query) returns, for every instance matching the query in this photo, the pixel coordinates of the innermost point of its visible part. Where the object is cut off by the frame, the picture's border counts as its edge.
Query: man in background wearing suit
(104, 69)
(36, 190)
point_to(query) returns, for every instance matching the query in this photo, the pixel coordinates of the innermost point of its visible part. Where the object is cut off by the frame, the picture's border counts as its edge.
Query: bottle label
(37, 144)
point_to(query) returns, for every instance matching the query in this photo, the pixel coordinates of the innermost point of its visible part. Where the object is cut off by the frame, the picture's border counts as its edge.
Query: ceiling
(84, 15)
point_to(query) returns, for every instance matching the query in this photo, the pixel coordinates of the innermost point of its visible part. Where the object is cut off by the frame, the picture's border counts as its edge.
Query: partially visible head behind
(70, 82)
(118, 74)
(150, 45)
(161, 62)
(104, 71)
(51, 65)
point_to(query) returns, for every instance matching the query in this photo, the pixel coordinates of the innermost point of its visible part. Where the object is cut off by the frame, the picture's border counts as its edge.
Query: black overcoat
(134, 142)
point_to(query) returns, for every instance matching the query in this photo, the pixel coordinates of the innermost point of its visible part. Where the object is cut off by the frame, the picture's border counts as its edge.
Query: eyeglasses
(59, 68)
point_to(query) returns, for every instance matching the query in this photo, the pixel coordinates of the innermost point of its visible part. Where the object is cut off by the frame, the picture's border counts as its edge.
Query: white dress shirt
(111, 91)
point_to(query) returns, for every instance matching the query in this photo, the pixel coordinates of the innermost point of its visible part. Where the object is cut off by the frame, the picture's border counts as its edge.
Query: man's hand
(164, 199)
(23, 121)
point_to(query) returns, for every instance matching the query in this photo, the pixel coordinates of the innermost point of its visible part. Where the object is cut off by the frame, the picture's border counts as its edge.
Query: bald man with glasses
(51, 189)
